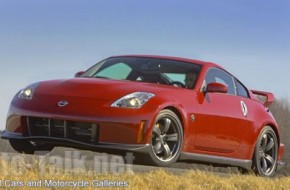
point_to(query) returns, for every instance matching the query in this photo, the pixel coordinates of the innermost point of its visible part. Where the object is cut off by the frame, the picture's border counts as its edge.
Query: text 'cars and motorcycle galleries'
(163, 108)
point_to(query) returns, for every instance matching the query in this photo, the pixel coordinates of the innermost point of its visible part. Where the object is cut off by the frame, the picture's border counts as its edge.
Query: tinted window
(152, 70)
(118, 71)
(175, 76)
(241, 90)
(220, 76)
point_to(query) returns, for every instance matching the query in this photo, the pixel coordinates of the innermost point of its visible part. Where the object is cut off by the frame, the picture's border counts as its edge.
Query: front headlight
(27, 92)
(134, 100)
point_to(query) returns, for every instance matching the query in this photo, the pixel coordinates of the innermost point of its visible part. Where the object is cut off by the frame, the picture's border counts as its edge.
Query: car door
(222, 117)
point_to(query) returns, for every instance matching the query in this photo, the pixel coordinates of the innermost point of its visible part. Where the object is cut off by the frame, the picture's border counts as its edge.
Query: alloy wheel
(166, 138)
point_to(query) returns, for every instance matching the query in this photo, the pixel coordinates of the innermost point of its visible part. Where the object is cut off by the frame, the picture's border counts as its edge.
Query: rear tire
(266, 153)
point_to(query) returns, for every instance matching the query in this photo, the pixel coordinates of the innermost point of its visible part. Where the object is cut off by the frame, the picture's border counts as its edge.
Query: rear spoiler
(267, 98)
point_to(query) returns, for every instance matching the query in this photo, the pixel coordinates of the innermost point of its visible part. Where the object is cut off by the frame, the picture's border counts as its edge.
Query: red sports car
(166, 108)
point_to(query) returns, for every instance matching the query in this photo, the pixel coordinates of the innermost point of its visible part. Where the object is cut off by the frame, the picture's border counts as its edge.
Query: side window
(220, 76)
(117, 71)
(241, 90)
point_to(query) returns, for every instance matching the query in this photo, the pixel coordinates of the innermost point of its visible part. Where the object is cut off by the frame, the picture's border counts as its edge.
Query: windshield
(150, 70)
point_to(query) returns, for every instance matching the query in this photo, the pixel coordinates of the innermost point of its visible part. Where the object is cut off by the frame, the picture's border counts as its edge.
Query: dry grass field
(150, 180)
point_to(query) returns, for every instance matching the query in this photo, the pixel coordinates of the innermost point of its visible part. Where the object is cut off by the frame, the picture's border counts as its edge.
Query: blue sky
(48, 39)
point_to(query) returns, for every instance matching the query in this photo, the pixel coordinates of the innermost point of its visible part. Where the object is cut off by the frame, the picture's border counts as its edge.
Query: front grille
(47, 127)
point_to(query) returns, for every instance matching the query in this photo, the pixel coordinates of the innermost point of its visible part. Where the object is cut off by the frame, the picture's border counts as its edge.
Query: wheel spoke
(157, 148)
(167, 123)
(264, 142)
(270, 145)
(171, 137)
(167, 152)
(156, 130)
(264, 165)
(269, 159)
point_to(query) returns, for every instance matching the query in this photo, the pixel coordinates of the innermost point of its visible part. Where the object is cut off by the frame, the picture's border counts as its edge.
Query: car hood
(105, 89)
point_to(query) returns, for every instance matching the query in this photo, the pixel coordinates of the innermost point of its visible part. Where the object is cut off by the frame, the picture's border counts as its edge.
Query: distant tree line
(281, 111)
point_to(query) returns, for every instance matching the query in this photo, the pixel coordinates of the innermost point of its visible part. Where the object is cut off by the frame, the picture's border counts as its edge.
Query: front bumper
(140, 148)
(83, 120)
(84, 124)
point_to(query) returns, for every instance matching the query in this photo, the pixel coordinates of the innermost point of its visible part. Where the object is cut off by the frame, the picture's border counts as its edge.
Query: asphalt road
(84, 160)
(89, 158)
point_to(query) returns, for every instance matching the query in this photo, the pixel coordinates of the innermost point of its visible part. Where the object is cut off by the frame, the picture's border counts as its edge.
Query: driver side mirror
(216, 87)
(78, 74)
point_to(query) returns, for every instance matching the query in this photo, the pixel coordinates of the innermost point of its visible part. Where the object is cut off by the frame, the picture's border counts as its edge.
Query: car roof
(203, 63)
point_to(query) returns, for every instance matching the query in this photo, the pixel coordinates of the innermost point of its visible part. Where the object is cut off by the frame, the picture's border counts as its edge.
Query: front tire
(266, 153)
(22, 146)
(28, 147)
(166, 139)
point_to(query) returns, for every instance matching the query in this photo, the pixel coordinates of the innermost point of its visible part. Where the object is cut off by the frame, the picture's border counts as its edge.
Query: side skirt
(246, 164)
